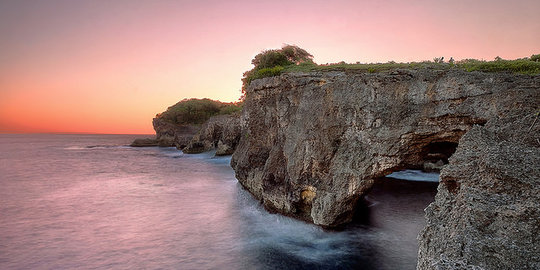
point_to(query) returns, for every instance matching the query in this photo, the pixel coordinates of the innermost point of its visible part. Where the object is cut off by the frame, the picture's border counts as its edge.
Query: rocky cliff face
(172, 135)
(486, 214)
(313, 142)
(220, 132)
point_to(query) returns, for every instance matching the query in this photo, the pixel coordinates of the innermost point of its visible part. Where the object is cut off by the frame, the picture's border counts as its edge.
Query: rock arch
(312, 142)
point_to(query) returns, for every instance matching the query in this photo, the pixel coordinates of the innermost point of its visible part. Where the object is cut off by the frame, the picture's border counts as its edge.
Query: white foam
(415, 175)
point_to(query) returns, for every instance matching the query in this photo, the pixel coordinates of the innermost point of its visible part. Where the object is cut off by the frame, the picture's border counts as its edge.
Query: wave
(415, 175)
(97, 147)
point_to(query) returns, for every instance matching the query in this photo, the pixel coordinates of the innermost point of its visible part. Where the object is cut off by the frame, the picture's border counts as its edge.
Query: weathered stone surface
(225, 149)
(220, 132)
(433, 166)
(173, 135)
(312, 142)
(146, 142)
(486, 214)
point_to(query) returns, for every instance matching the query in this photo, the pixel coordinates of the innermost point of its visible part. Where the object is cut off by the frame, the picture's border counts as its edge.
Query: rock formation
(210, 123)
(313, 142)
(221, 132)
(173, 135)
(486, 214)
(146, 142)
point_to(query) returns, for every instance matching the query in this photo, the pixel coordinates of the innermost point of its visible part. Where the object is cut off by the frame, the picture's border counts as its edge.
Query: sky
(110, 66)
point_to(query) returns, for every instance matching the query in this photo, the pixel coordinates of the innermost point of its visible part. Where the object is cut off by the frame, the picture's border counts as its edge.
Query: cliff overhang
(313, 142)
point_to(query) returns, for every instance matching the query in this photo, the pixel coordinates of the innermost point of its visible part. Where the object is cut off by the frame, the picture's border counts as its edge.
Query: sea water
(92, 202)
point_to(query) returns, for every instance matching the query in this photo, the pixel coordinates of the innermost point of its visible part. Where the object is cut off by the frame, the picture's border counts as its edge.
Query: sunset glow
(110, 66)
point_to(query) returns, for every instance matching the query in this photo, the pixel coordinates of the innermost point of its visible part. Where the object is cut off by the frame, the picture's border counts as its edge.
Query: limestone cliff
(173, 135)
(210, 123)
(220, 132)
(486, 214)
(313, 142)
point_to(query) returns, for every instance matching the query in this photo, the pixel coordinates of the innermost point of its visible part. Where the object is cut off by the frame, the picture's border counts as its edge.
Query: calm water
(89, 202)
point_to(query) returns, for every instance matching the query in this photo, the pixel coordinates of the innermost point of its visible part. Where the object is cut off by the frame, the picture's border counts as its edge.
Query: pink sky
(110, 66)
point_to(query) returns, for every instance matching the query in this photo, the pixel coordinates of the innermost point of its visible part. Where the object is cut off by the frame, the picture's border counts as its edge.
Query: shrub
(269, 59)
(231, 108)
(296, 54)
(197, 111)
(438, 60)
(272, 62)
(522, 66)
(268, 72)
(291, 58)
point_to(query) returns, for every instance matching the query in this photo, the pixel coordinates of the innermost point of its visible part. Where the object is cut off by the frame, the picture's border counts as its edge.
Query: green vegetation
(260, 73)
(293, 59)
(371, 68)
(523, 66)
(197, 111)
(270, 63)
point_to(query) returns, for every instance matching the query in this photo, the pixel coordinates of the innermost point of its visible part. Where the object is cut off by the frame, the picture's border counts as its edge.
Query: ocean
(92, 202)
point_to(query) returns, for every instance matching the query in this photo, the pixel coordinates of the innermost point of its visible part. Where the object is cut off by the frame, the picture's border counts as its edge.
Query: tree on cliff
(296, 54)
(271, 62)
(287, 55)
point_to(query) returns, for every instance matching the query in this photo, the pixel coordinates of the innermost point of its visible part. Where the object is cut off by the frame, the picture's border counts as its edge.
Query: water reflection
(385, 238)
(64, 205)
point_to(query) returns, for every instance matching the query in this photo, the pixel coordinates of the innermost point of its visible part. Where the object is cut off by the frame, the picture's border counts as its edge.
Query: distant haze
(110, 66)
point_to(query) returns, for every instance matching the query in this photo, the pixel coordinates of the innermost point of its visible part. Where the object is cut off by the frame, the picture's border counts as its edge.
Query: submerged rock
(146, 142)
(312, 143)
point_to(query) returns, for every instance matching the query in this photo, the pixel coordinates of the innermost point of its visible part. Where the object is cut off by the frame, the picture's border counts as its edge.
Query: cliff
(487, 209)
(210, 123)
(173, 135)
(220, 132)
(312, 142)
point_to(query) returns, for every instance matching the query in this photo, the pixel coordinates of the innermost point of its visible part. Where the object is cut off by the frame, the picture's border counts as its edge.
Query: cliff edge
(312, 142)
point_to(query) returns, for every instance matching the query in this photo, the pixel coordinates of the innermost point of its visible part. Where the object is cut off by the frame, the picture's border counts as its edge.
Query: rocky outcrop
(220, 132)
(312, 142)
(173, 135)
(486, 214)
(146, 142)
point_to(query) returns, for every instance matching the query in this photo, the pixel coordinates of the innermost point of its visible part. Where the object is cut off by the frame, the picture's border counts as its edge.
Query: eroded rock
(220, 132)
(173, 135)
(146, 142)
(336, 131)
(486, 214)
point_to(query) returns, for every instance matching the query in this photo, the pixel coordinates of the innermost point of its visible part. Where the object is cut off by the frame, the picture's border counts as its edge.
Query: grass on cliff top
(197, 111)
(530, 65)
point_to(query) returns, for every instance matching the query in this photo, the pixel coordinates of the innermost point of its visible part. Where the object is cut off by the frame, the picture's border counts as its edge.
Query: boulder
(146, 142)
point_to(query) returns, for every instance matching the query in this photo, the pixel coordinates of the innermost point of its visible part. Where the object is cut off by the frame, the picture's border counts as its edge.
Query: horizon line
(70, 133)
